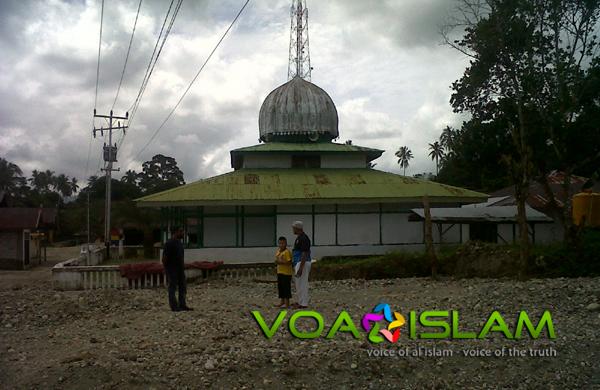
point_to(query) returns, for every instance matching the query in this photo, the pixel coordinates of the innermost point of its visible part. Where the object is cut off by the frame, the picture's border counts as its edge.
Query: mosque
(298, 172)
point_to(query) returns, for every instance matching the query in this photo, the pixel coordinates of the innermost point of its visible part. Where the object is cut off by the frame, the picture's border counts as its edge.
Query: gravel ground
(128, 339)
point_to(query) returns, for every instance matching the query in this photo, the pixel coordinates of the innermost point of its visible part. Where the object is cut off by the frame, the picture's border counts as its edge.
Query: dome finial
(299, 64)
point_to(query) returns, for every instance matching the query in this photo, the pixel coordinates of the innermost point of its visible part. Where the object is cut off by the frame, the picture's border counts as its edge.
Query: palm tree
(62, 185)
(436, 152)
(130, 177)
(42, 181)
(404, 156)
(447, 138)
(74, 185)
(10, 176)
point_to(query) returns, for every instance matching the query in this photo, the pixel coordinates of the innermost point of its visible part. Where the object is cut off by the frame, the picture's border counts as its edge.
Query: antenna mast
(299, 65)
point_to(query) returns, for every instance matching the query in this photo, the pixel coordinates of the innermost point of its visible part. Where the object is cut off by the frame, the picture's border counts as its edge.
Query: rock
(593, 306)
(209, 365)
(353, 366)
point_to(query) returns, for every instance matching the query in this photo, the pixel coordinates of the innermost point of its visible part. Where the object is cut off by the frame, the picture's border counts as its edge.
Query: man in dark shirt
(172, 260)
(301, 263)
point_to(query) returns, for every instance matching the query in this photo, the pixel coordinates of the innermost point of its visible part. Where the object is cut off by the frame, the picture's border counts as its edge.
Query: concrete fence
(69, 275)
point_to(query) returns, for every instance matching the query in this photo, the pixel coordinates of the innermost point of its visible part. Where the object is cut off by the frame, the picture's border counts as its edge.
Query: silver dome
(298, 111)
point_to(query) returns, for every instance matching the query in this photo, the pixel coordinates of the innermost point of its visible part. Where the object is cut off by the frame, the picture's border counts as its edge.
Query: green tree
(160, 174)
(42, 181)
(11, 178)
(474, 158)
(448, 138)
(62, 184)
(74, 185)
(436, 152)
(130, 177)
(528, 62)
(404, 155)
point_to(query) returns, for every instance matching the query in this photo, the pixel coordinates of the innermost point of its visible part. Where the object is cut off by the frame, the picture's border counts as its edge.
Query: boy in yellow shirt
(283, 259)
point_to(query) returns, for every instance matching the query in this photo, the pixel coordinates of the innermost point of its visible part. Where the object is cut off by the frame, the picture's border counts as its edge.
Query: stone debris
(129, 339)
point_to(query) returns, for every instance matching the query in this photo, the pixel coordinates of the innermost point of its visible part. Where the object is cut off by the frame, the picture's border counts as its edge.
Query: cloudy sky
(381, 61)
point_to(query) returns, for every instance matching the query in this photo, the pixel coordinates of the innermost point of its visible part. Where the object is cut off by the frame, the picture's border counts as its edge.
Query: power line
(193, 80)
(99, 50)
(150, 65)
(127, 56)
(89, 154)
(153, 61)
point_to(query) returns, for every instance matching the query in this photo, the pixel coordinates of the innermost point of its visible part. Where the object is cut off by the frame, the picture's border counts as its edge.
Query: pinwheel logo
(371, 324)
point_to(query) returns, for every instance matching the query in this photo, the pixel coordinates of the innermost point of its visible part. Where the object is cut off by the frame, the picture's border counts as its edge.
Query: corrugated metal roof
(481, 214)
(12, 218)
(305, 147)
(274, 186)
(538, 197)
(298, 108)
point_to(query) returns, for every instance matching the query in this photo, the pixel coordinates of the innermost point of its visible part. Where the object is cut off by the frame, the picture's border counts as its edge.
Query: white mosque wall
(267, 161)
(324, 229)
(219, 232)
(358, 229)
(259, 231)
(343, 161)
(284, 225)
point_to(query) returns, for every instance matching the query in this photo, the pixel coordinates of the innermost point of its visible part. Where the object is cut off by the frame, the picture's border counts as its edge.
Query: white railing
(70, 276)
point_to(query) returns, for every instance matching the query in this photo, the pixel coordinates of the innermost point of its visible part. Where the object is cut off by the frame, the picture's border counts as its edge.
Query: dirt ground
(37, 273)
(128, 339)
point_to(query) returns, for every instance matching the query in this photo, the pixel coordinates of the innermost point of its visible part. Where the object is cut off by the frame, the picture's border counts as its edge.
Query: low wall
(96, 257)
(68, 275)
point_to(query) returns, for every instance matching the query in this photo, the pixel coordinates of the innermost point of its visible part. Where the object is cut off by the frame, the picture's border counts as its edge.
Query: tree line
(54, 190)
(532, 91)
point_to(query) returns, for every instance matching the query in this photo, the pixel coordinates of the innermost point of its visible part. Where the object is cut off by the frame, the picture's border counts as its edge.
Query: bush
(473, 259)
(581, 259)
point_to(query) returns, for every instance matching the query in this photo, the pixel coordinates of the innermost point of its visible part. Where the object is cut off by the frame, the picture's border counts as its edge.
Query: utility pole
(110, 157)
(88, 226)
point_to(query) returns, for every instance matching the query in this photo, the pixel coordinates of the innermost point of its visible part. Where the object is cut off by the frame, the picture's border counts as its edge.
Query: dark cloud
(380, 62)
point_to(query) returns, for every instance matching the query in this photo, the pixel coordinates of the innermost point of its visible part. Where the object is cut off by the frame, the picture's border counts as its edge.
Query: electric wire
(192, 82)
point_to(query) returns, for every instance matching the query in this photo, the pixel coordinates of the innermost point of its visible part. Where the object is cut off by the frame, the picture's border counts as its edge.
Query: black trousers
(176, 280)
(284, 286)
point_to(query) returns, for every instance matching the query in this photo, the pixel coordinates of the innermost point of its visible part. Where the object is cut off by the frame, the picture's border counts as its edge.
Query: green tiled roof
(311, 186)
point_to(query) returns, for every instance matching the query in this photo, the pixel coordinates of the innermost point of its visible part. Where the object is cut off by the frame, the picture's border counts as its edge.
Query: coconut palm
(42, 180)
(74, 185)
(404, 155)
(10, 177)
(447, 138)
(130, 177)
(62, 185)
(436, 152)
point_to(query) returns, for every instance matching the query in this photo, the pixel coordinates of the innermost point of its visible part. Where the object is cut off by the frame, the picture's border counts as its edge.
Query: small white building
(496, 224)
